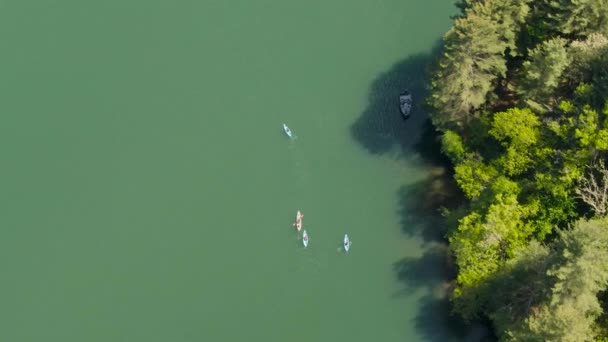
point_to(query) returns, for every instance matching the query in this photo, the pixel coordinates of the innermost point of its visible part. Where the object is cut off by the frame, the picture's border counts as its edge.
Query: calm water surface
(147, 190)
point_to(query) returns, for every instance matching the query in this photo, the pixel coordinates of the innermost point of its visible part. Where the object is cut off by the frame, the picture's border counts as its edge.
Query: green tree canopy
(577, 17)
(543, 69)
(517, 130)
(579, 272)
(521, 97)
(472, 60)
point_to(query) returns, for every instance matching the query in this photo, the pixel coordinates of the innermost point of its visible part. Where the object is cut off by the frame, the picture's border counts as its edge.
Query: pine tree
(519, 287)
(543, 69)
(579, 273)
(583, 54)
(578, 18)
(589, 69)
(508, 16)
(474, 58)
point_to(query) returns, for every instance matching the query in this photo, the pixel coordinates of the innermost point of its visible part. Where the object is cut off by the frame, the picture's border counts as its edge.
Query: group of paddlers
(298, 225)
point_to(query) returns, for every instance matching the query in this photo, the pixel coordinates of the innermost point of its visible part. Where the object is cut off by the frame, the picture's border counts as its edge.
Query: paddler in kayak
(298, 222)
(305, 238)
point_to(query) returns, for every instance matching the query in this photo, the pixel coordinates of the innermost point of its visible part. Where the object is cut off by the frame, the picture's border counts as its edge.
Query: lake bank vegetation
(520, 97)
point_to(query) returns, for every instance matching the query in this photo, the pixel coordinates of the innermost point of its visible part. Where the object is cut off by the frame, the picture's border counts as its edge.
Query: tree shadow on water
(420, 204)
(381, 130)
(436, 324)
(381, 127)
(433, 321)
(430, 270)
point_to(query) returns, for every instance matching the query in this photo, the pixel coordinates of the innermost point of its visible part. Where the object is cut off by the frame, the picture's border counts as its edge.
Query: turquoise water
(148, 190)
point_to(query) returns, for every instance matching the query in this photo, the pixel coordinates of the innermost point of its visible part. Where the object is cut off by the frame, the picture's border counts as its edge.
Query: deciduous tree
(593, 188)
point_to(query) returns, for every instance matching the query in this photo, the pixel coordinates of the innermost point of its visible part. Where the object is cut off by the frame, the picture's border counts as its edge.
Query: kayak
(305, 238)
(299, 217)
(287, 131)
(346, 242)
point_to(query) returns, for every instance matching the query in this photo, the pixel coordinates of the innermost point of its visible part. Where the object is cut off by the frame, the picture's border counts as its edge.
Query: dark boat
(405, 104)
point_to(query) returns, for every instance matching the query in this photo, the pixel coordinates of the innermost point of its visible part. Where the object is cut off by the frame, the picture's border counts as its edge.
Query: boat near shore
(405, 104)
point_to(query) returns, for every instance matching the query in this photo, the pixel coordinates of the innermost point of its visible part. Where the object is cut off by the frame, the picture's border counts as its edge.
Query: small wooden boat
(305, 238)
(288, 131)
(405, 104)
(346, 242)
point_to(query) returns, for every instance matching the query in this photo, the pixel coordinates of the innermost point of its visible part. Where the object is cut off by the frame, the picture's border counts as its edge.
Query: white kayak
(299, 217)
(288, 131)
(346, 242)
(305, 238)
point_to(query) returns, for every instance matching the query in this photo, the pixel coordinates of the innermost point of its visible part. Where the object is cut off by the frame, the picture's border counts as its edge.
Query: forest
(519, 96)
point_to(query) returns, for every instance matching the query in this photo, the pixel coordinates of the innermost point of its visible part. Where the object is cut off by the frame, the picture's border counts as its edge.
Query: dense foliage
(520, 96)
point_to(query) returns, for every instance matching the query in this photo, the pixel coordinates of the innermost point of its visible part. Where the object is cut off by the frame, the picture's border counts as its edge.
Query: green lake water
(147, 190)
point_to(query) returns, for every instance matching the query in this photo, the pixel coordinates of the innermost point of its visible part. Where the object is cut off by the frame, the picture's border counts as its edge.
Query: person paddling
(305, 238)
(298, 223)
